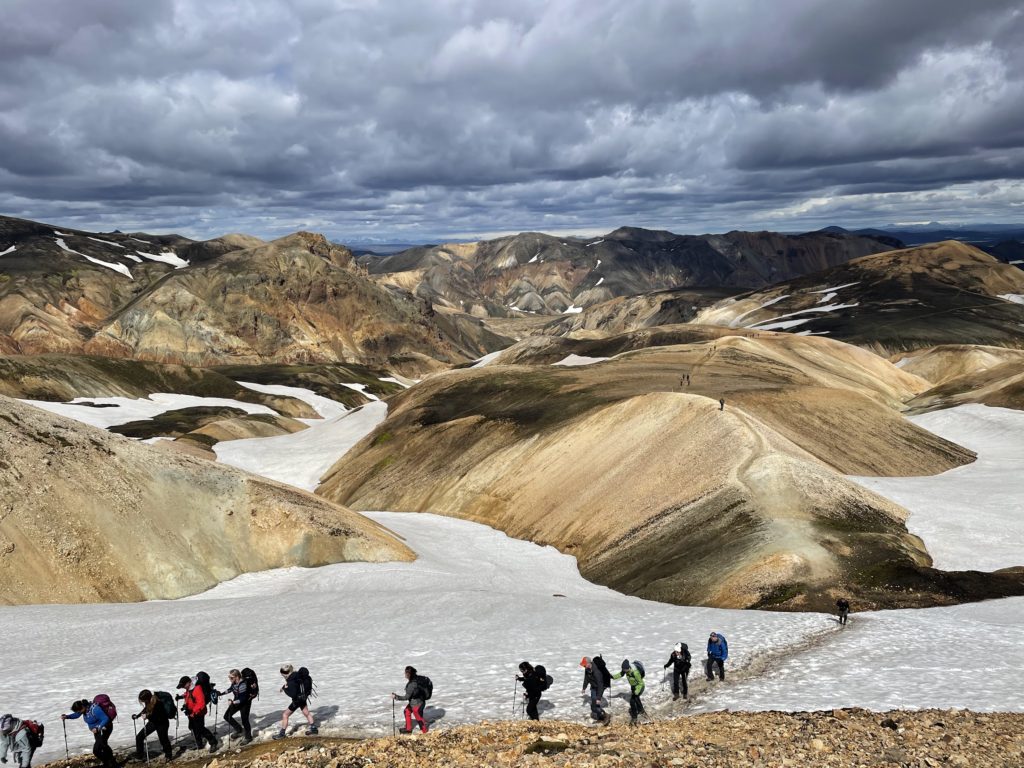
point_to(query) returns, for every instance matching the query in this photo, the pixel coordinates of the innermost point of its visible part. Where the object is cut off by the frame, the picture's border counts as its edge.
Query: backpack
(304, 684)
(103, 702)
(35, 733)
(598, 662)
(203, 681)
(545, 679)
(252, 683)
(426, 686)
(167, 702)
(639, 667)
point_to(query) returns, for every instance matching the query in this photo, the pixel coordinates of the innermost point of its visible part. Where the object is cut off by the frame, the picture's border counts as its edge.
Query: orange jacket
(195, 702)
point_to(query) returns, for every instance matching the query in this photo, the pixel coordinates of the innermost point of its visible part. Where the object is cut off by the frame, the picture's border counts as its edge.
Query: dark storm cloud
(407, 119)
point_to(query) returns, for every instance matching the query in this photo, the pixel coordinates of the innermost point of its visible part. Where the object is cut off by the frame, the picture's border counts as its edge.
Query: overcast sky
(415, 120)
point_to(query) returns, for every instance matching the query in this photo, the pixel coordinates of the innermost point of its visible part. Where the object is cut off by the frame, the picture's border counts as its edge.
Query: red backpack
(103, 702)
(35, 733)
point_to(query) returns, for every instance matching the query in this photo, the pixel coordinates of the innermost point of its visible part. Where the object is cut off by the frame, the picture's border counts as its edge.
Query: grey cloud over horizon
(412, 121)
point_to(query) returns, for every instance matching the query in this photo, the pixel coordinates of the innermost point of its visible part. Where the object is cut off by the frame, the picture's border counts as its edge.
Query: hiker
(158, 719)
(597, 680)
(721, 403)
(298, 686)
(534, 685)
(417, 695)
(680, 663)
(99, 722)
(243, 687)
(195, 697)
(844, 609)
(718, 652)
(20, 738)
(635, 677)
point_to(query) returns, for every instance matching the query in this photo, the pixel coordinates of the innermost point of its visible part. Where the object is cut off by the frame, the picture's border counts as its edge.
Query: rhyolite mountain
(233, 300)
(533, 272)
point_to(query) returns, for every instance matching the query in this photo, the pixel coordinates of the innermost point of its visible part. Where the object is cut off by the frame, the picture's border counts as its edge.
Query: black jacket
(533, 684)
(679, 661)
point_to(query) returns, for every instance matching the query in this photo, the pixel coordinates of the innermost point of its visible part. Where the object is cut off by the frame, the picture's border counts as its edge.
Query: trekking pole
(216, 716)
(394, 724)
(67, 754)
(135, 728)
(515, 689)
(146, 742)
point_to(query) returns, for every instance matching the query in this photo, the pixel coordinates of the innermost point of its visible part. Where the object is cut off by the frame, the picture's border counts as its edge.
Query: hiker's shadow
(296, 721)
(433, 714)
(545, 706)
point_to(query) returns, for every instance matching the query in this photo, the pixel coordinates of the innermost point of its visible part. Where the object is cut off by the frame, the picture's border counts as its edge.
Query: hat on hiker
(185, 682)
(584, 661)
(6, 724)
(625, 664)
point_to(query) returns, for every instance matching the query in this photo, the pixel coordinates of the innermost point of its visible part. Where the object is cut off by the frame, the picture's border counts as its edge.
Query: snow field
(574, 360)
(121, 268)
(121, 410)
(970, 517)
(167, 257)
(473, 606)
(11, 249)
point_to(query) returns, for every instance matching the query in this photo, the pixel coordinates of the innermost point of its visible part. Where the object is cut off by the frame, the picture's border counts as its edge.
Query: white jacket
(17, 743)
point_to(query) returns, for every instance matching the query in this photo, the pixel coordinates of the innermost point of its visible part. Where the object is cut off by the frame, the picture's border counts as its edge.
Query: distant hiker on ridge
(157, 711)
(721, 403)
(417, 690)
(679, 660)
(843, 605)
(21, 738)
(97, 716)
(597, 678)
(196, 697)
(718, 652)
(634, 674)
(299, 686)
(535, 681)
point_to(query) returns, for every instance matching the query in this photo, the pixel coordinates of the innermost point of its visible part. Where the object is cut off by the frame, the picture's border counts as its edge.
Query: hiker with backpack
(98, 715)
(197, 696)
(535, 681)
(680, 663)
(298, 685)
(243, 687)
(418, 689)
(20, 738)
(597, 679)
(157, 710)
(718, 652)
(843, 607)
(634, 674)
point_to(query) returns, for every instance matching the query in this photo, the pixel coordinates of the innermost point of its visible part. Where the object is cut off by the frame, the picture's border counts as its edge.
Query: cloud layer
(405, 120)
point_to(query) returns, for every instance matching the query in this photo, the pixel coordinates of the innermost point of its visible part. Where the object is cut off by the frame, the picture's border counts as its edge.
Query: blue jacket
(95, 717)
(719, 650)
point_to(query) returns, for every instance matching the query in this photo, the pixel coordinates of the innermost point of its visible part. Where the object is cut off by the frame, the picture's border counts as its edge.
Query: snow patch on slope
(121, 410)
(1016, 298)
(12, 249)
(326, 407)
(167, 257)
(573, 360)
(108, 264)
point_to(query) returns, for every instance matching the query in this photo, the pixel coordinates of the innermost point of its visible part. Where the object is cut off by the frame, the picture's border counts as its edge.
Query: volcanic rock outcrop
(88, 516)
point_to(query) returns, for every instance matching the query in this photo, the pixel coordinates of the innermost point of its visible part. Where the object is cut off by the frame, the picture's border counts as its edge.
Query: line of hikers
(23, 737)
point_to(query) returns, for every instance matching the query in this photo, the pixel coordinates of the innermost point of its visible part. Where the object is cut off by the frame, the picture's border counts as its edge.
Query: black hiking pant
(531, 707)
(596, 710)
(843, 613)
(710, 668)
(636, 707)
(679, 682)
(160, 728)
(102, 749)
(243, 711)
(199, 730)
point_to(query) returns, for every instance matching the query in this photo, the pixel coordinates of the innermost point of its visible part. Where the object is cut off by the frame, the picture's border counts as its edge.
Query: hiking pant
(414, 712)
(842, 615)
(161, 729)
(636, 707)
(243, 710)
(679, 681)
(531, 707)
(710, 668)
(199, 730)
(596, 710)
(102, 749)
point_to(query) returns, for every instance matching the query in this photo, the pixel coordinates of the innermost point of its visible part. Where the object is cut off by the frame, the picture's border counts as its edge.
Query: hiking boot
(312, 730)
(246, 740)
(404, 730)
(675, 697)
(423, 729)
(279, 735)
(607, 719)
(214, 745)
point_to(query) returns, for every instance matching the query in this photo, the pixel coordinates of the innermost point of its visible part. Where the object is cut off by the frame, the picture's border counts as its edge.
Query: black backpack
(167, 702)
(203, 681)
(603, 669)
(426, 686)
(36, 732)
(252, 683)
(304, 684)
(542, 674)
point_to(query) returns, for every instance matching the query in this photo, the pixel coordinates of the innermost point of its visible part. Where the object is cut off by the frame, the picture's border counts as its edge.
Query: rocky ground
(848, 737)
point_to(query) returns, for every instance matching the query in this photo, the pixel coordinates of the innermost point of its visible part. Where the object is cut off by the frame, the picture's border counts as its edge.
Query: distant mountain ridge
(543, 274)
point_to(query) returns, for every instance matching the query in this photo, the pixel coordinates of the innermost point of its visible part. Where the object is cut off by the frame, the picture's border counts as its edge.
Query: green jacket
(636, 683)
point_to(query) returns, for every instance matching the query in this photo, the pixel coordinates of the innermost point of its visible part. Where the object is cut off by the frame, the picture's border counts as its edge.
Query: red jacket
(195, 702)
